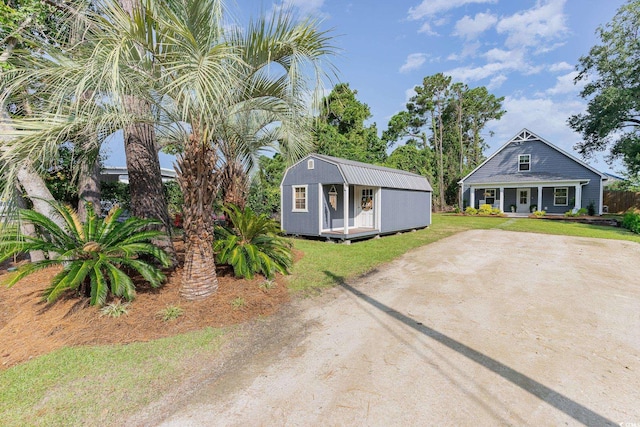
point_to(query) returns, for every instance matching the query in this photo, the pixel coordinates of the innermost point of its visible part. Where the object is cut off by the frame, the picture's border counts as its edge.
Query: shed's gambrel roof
(522, 136)
(359, 173)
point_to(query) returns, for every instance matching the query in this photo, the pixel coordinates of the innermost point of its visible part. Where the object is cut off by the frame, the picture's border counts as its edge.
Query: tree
(443, 122)
(340, 129)
(612, 72)
(195, 71)
(264, 193)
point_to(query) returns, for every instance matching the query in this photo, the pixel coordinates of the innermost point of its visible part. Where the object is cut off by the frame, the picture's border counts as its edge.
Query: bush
(92, 254)
(631, 221)
(470, 210)
(533, 208)
(582, 212)
(591, 208)
(496, 211)
(540, 213)
(253, 245)
(485, 210)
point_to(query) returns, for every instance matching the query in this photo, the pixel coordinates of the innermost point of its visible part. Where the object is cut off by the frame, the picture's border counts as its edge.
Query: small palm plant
(252, 245)
(96, 256)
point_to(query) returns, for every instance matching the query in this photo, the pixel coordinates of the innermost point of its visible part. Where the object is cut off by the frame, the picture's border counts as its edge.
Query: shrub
(582, 212)
(484, 209)
(631, 221)
(540, 213)
(591, 208)
(115, 309)
(238, 303)
(570, 213)
(92, 254)
(496, 211)
(253, 245)
(533, 208)
(170, 312)
(470, 210)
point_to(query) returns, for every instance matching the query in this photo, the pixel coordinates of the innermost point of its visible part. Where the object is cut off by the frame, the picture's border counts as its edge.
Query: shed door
(366, 207)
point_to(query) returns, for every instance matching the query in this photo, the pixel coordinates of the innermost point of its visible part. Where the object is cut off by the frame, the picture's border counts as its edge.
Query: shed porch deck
(353, 233)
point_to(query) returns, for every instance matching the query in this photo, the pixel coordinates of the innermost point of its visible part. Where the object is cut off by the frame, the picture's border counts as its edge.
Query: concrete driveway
(483, 328)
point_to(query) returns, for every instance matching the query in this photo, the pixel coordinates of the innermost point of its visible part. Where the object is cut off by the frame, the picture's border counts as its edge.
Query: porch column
(502, 199)
(578, 197)
(472, 197)
(540, 207)
(345, 187)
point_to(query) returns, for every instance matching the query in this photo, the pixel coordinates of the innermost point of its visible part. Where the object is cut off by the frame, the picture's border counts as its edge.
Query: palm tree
(195, 71)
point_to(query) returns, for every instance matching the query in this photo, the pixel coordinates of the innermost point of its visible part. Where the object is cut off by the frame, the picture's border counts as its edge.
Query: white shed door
(366, 207)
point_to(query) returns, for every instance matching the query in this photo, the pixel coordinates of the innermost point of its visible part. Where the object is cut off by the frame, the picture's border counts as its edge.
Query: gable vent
(525, 136)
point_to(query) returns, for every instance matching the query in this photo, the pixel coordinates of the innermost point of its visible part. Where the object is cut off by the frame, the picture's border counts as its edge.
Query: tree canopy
(340, 129)
(612, 72)
(442, 125)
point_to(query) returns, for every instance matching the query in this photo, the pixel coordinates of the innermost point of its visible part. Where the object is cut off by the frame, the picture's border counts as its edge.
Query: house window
(561, 196)
(299, 198)
(524, 162)
(490, 196)
(310, 164)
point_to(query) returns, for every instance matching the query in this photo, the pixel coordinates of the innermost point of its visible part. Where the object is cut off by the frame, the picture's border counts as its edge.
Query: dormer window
(524, 162)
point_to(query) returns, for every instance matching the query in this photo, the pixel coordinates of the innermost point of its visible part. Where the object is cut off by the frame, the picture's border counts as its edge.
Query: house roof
(526, 135)
(359, 173)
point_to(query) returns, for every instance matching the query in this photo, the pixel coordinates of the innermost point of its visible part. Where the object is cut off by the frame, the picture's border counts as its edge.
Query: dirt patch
(29, 327)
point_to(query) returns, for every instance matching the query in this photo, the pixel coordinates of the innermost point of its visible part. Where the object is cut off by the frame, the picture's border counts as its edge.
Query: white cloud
(544, 22)
(413, 62)
(496, 82)
(426, 29)
(305, 7)
(565, 84)
(499, 62)
(470, 28)
(560, 66)
(430, 8)
(542, 116)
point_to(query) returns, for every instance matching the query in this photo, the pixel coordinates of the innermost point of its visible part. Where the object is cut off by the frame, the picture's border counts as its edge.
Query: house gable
(545, 162)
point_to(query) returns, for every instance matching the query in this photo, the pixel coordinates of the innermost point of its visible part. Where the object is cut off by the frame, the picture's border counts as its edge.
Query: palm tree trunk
(89, 187)
(198, 180)
(143, 166)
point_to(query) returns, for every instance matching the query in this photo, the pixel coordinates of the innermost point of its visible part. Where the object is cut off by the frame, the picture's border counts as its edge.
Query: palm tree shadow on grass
(561, 402)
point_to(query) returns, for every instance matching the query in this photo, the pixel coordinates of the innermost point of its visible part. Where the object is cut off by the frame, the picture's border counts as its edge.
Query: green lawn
(101, 385)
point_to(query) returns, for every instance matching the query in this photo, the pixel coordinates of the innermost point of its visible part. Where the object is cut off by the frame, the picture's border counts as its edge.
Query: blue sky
(524, 50)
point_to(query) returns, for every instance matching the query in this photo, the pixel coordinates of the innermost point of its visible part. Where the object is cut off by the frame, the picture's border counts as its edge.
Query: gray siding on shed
(404, 209)
(328, 172)
(306, 223)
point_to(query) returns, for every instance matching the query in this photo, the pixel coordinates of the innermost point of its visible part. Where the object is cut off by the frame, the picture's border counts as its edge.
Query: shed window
(310, 164)
(561, 196)
(524, 162)
(299, 198)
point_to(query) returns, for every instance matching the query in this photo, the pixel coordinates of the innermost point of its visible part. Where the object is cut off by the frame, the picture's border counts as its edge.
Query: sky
(524, 50)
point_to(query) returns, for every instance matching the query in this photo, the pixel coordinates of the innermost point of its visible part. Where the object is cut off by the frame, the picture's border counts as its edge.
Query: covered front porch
(523, 198)
(361, 211)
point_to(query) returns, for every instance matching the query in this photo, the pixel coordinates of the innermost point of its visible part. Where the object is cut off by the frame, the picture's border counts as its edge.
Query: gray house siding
(403, 210)
(545, 161)
(549, 168)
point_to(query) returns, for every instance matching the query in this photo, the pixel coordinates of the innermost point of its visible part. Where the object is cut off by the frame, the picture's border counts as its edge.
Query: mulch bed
(29, 327)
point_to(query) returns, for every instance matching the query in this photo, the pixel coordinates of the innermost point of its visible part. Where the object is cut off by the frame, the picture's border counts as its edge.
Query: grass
(170, 312)
(102, 385)
(97, 385)
(324, 264)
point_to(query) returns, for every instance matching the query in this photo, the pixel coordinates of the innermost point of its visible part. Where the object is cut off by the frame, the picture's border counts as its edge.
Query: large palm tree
(196, 71)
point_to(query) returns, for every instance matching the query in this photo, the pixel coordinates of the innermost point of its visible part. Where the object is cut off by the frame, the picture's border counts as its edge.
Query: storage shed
(379, 200)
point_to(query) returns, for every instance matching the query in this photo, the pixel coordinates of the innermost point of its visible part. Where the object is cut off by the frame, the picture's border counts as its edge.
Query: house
(529, 173)
(325, 196)
(121, 174)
